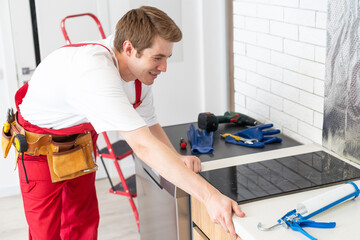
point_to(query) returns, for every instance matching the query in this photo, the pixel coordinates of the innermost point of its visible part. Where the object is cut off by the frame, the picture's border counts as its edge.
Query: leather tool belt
(68, 156)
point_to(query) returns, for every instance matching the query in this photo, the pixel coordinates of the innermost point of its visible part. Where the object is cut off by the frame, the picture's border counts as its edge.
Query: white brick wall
(279, 49)
(300, 17)
(285, 30)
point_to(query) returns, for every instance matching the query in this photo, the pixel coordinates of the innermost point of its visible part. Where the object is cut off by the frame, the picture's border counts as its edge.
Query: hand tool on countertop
(210, 122)
(298, 218)
(254, 133)
(238, 138)
(183, 143)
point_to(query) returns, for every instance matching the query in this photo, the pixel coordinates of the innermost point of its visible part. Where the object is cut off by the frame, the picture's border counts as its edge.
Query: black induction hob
(255, 181)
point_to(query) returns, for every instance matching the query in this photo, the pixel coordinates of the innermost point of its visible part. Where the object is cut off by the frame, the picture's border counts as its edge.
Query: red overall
(66, 210)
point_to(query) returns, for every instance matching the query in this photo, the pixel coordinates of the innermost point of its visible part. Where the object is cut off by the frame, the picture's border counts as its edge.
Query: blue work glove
(200, 142)
(255, 136)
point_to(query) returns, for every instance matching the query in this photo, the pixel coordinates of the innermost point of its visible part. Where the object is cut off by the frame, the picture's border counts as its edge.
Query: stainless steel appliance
(164, 210)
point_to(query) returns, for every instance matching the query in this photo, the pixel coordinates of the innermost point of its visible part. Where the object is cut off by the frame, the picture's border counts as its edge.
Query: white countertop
(346, 216)
(268, 211)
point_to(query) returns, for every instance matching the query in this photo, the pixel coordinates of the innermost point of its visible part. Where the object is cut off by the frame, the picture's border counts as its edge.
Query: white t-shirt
(75, 85)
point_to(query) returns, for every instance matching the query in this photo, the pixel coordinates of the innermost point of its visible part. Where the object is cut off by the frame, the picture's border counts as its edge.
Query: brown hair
(140, 26)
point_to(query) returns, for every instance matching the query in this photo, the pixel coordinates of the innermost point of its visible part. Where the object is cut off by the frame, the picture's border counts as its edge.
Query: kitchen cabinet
(198, 234)
(209, 230)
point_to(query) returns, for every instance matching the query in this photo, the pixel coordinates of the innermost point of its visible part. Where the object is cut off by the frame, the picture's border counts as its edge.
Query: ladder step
(131, 182)
(120, 147)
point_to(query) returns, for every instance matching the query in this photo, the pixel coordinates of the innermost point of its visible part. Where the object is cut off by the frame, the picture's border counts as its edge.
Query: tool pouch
(6, 142)
(68, 156)
(71, 159)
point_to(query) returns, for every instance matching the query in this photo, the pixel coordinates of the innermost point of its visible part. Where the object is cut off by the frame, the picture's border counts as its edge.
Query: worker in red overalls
(81, 90)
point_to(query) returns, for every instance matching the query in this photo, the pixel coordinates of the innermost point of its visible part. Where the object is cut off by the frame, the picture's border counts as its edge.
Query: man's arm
(168, 164)
(191, 162)
(160, 134)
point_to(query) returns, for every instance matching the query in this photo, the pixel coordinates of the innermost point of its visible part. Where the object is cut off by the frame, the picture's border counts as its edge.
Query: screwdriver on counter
(183, 143)
(238, 138)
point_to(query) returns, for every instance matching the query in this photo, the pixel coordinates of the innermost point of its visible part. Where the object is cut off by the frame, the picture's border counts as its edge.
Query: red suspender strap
(138, 93)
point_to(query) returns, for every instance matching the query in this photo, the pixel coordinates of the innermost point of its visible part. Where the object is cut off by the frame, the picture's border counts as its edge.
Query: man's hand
(220, 209)
(192, 162)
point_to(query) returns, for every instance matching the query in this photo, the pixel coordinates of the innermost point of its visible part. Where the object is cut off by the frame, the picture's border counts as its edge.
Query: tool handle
(225, 118)
(296, 227)
(183, 143)
(314, 224)
(6, 128)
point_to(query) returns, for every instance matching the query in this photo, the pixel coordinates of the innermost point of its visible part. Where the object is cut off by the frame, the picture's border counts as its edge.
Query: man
(91, 88)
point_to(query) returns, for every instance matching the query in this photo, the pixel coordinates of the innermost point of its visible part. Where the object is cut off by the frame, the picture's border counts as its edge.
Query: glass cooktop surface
(255, 181)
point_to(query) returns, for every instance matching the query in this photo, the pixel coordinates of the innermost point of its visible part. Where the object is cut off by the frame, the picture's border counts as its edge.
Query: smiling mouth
(154, 75)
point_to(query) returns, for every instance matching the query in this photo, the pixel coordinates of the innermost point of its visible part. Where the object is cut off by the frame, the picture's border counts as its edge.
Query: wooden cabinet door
(201, 218)
(198, 235)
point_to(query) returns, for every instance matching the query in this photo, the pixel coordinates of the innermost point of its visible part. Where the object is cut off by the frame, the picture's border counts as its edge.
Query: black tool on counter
(210, 122)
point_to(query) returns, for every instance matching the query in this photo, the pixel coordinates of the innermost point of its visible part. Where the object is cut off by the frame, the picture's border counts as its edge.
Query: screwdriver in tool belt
(19, 140)
(10, 120)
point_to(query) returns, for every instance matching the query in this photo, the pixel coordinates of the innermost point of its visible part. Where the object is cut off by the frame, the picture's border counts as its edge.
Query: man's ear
(128, 47)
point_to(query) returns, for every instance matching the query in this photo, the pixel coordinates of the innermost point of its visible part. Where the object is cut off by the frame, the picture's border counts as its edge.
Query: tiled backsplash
(279, 64)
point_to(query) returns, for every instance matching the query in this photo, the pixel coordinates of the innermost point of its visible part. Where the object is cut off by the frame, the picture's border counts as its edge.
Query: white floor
(116, 217)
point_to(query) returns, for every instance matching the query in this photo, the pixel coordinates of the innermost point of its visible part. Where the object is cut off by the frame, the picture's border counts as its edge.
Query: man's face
(152, 61)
